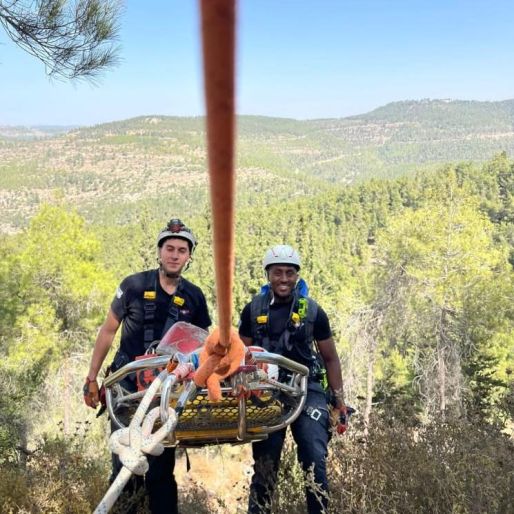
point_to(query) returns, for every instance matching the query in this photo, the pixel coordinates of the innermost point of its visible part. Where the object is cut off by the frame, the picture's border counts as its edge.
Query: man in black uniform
(283, 320)
(147, 304)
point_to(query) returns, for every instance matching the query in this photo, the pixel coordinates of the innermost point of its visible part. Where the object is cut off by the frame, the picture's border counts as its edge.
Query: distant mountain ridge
(446, 112)
(154, 160)
(449, 112)
(34, 131)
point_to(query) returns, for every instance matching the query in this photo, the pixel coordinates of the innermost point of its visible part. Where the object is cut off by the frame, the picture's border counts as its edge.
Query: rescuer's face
(173, 256)
(282, 279)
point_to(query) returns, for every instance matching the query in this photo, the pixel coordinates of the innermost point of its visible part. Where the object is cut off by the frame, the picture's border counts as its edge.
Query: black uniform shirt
(128, 307)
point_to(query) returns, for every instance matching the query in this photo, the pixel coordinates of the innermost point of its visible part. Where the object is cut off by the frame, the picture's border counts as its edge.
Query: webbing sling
(173, 309)
(150, 306)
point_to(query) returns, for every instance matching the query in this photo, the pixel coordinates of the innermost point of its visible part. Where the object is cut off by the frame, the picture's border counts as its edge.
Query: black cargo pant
(311, 434)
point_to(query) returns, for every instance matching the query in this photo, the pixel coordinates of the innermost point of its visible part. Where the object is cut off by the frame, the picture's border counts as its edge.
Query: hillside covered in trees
(112, 170)
(414, 270)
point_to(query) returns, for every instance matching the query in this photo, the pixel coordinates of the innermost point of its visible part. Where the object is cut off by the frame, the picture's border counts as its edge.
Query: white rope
(132, 444)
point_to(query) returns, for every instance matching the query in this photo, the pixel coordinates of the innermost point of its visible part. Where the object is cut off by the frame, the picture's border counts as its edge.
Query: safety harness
(150, 307)
(150, 339)
(302, 316)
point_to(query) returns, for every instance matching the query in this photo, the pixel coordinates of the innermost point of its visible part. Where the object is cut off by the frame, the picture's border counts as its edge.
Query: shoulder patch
(119, 293)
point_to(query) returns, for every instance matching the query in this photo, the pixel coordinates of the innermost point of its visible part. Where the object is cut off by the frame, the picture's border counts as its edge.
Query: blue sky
(296, 58)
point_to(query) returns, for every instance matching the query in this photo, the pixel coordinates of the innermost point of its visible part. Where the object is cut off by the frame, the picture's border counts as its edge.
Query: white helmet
(281, 254)
(175, 228)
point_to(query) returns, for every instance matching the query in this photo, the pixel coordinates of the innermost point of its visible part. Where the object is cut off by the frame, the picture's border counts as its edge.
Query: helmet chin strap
(167, 274)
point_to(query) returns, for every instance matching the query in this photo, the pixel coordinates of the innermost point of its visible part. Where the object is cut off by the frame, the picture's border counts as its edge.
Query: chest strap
(150, 308)
(259, 312)
(304, 307)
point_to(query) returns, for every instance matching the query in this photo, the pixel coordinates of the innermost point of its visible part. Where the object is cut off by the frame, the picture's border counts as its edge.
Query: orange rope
(218, 38)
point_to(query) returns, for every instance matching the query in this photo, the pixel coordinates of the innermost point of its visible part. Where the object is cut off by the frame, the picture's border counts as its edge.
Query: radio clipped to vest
(319, 371)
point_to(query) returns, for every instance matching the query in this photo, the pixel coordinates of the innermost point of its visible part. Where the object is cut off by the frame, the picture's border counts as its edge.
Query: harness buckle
(313, 413)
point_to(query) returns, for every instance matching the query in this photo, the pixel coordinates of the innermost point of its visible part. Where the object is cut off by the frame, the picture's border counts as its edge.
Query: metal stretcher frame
(237, 418)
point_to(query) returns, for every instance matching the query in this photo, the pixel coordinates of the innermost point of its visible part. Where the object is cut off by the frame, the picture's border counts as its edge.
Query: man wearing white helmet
(284, 320)
(147, 304)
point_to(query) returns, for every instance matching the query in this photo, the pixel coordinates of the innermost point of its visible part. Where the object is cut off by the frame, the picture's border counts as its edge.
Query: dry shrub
(57, 478)
(217, 481)
(458, 468)
(290, 490)
(440, 468)
(196, 499)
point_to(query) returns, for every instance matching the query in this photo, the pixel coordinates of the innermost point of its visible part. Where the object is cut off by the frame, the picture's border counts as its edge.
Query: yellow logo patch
(178, 301)
(150, 295)
(262, 319)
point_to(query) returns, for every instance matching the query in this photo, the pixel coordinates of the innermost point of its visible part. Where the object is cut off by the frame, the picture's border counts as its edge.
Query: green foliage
(445, 114)
(100, 168)
(72, 39)
(459, 285)
(58, 262)
(38, 338)
(57, 292)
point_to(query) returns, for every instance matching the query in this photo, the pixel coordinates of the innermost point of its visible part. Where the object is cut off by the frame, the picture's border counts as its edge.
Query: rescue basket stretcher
(265, 394)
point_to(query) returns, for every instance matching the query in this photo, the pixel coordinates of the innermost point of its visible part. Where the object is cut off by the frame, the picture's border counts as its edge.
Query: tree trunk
(66, 396)
(441, 364)
(369, 384)
(441, 379)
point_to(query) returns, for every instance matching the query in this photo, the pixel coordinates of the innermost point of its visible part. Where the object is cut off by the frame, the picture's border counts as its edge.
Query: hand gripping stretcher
(266, 393)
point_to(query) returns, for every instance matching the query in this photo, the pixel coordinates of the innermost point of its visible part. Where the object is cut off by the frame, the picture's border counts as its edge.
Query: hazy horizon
(145, 115)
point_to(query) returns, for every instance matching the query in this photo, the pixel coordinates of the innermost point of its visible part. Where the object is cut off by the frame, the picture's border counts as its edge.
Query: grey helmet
(281, 254)
(175, 228)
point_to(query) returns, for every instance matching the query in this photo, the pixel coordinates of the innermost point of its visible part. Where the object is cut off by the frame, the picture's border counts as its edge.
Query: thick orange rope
(218, 38)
